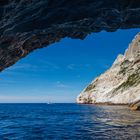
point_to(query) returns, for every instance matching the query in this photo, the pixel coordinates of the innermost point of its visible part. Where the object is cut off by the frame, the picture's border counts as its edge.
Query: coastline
(105, 104)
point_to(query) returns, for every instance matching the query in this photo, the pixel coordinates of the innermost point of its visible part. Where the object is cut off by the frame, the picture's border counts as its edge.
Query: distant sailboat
(49, 103)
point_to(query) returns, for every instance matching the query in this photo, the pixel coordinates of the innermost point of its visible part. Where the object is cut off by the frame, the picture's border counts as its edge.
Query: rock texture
(135, 105)
(26, 25)
(121, 83)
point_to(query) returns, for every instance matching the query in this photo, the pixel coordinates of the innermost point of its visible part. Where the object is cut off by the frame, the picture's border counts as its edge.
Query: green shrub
(132, 80)
(90, 87)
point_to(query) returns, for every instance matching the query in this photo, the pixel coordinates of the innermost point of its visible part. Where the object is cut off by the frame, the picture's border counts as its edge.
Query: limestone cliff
(121, 83)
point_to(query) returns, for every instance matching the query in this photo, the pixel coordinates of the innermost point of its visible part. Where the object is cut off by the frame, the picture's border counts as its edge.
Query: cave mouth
(59, 72)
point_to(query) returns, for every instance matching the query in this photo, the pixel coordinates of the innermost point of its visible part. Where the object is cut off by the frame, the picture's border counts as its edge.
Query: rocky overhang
(26, 25)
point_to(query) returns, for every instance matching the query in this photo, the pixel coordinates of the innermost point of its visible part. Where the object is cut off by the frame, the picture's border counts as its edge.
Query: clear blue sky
(58, 73)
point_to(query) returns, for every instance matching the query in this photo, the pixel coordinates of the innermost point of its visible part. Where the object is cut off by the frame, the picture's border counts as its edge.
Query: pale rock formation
(121, 83)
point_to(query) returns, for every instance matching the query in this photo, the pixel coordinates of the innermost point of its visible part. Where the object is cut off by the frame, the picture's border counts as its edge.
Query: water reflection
(114, 122)
(68, 121)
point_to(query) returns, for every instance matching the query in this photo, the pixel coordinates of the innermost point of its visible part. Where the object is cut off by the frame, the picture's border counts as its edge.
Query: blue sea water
(68, 121)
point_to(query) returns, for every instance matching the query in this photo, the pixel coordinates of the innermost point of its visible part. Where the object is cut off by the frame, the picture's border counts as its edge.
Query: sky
(59, 72)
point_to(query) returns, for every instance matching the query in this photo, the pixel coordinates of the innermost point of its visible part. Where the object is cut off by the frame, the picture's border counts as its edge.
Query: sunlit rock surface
(26, 25)
(121, 83)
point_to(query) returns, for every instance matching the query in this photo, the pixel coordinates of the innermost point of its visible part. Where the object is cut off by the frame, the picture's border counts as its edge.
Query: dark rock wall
(26, 25)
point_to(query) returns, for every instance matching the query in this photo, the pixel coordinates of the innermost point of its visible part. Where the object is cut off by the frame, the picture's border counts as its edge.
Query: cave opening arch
(67, 66)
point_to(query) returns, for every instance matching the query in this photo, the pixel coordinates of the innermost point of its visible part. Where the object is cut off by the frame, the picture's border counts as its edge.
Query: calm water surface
(68, 121)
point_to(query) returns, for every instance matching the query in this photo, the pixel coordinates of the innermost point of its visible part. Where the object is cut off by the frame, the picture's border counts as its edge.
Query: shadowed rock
(135, 105)
(26, 25)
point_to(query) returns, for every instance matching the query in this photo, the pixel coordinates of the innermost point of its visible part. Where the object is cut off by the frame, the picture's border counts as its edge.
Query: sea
(68, 121)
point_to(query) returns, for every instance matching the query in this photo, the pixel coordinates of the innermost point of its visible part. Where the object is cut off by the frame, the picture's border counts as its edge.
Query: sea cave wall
(26, 25)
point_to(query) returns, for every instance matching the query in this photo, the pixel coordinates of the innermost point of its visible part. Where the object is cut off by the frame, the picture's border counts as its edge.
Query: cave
(52, 49)
(26, 25)
(59, 72)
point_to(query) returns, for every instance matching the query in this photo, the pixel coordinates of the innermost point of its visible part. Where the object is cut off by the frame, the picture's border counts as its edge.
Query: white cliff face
(121, 83)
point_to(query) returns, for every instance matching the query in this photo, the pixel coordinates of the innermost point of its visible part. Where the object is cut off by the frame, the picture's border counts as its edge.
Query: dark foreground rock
(135, 105)
(26, 25)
